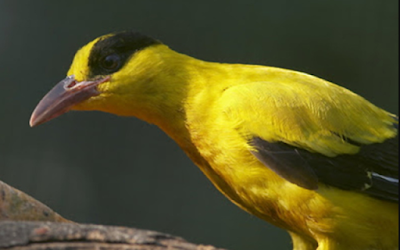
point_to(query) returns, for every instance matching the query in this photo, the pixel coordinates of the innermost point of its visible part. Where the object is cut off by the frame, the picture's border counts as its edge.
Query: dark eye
(111, 62)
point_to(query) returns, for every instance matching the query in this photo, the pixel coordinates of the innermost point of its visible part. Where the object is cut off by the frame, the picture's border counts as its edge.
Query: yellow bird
(295, 150)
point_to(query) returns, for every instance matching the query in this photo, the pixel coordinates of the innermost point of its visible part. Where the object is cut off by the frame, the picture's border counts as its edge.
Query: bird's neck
(191, 79)
(189, 85)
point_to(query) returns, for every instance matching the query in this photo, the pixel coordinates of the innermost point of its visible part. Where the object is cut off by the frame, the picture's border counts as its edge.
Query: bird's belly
(259, 191)
(325, 215)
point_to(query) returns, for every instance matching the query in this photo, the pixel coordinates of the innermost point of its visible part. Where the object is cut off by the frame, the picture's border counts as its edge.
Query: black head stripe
(110, 54)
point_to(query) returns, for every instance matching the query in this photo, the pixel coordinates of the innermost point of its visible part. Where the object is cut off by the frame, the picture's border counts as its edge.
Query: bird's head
(117, 73)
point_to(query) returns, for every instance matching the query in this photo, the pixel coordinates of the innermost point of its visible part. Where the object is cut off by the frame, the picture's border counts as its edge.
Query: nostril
(71, 85)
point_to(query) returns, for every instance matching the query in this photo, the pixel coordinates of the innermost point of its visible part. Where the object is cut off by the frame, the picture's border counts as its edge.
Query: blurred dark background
(98, 168)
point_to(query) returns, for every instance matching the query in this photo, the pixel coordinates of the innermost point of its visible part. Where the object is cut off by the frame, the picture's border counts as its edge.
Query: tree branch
(27, 224)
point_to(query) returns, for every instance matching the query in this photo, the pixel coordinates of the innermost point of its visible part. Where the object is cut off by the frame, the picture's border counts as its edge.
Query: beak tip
(32, 121)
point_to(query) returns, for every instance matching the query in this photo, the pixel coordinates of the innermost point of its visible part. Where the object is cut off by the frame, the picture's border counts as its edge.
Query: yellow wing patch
(306, 112)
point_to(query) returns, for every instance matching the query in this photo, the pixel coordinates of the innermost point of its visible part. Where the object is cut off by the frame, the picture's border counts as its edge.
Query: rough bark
(16, 205)
(29, 235)
(27, 224)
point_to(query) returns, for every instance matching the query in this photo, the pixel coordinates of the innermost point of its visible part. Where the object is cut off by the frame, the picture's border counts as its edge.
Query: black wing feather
(373, 171)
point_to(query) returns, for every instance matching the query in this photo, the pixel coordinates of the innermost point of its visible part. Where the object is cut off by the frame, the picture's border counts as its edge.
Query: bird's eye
(111, 62)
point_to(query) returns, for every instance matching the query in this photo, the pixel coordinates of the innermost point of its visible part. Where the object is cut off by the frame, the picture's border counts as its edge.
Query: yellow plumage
(214, 111)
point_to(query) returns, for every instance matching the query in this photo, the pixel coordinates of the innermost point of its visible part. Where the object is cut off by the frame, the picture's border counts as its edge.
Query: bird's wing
(311, 132)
